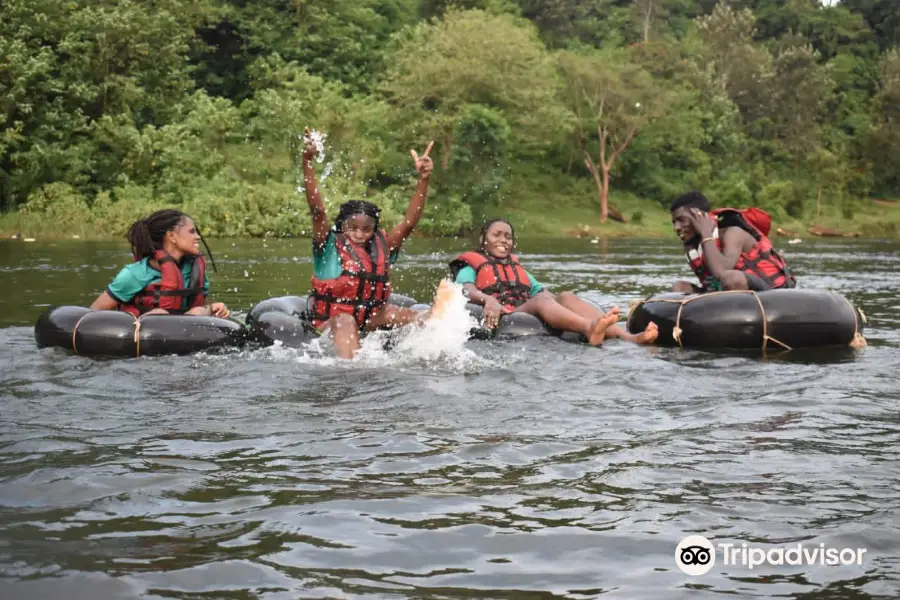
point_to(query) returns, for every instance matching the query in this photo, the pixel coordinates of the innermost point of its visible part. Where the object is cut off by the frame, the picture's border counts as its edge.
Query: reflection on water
(529, 469)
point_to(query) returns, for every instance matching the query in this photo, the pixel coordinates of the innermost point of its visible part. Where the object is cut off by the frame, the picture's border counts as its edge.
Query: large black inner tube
(771, 320)
(118, 334)
(511, 325)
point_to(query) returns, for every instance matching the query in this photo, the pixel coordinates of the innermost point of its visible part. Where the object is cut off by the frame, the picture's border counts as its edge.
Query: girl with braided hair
(169, 272)
(352, 260)
(492, 276)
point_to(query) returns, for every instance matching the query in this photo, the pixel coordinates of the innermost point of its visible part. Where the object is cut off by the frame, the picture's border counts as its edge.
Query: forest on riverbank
(567, 115)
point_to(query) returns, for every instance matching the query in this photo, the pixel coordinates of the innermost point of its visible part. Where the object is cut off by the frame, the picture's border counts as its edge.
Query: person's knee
(682, 287)
(343, 321)
(404, 316)
(734, 280)
(388, 316)
(543, 299)
(567, 295)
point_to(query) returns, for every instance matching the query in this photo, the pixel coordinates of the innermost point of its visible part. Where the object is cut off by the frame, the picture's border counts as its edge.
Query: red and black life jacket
(762, 260)
(506, 279)
(363, 285)
(171, 289)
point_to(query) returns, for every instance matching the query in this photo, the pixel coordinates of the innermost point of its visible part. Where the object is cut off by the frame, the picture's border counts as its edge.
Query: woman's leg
(545, 306)
(345, 334)
(590, 312)
(390, 316)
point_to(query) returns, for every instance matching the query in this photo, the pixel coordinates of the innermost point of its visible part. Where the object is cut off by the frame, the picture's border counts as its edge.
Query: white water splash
(318, 138)
(438, 343)
(444, 335)
(326, 171)
(441, 339)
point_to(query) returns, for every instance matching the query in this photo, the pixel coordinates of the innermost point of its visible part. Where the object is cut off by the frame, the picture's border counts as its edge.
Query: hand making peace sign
(424, 165)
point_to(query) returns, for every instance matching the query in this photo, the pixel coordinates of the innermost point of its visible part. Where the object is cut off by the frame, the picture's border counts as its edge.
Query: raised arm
(313, 198)
(401, 231)
(732, 244)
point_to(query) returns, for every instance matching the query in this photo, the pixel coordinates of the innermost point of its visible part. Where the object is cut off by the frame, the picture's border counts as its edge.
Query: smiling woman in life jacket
(352, 261)
(727, 248)
(169, 272)
(493, 277)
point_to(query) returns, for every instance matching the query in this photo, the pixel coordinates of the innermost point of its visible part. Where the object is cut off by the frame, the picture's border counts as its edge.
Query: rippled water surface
(529, 469)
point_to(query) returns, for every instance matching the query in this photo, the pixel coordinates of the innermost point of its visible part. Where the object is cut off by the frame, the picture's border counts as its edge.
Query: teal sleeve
(326, 262)
(395, 254)
(536, 288)
(465, 275)
(125, 286)
(205, 285)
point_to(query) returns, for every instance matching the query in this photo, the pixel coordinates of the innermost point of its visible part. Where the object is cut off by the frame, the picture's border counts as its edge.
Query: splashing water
(318, 138)
(326, 171)
(438, 343)
(444, 334)
(441, 339)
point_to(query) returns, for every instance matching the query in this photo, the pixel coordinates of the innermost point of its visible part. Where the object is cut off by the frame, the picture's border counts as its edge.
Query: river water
(528, 469)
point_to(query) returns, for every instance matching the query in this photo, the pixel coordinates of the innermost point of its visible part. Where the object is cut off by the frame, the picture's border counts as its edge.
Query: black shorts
(756, 284)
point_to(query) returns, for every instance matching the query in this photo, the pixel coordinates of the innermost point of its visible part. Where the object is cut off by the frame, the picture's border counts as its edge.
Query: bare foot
(597, 332)
(647, 336)
(859, 342)
(442, 298)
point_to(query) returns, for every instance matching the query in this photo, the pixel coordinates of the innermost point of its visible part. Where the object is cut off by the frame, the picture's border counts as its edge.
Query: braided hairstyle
(146, 235)
(356, 207)
(487, 225)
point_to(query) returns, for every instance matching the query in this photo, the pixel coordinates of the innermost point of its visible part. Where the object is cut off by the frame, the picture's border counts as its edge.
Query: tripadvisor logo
(696, 555)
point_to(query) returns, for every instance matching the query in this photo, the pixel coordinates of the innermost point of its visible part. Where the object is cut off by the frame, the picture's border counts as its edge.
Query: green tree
(883, 16)
(612, 99)
(733, 62)
(64, 66)
(473, 57)
(339, 40)
(885, 136)
(799, 92)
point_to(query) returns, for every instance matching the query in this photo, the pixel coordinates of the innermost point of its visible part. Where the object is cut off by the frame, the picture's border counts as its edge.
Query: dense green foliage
(112, 108)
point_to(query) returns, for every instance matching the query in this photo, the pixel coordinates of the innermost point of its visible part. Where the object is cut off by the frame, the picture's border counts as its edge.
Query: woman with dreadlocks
(492, 276)
(352, 260)
(169, 272)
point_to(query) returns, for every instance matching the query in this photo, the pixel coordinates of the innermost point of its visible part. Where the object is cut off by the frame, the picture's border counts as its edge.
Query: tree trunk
(819, 203)
(616, 215)
(598, 181)
(607, 212)
(604, 194)
(648, 12)
(601, 180)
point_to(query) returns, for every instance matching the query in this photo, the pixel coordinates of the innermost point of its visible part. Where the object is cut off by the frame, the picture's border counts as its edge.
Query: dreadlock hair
(146, 235)
(487, 225)
(356, 207)
(690, 200)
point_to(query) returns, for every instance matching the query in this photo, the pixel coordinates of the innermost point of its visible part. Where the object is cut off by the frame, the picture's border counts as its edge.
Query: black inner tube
(771, 320)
